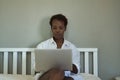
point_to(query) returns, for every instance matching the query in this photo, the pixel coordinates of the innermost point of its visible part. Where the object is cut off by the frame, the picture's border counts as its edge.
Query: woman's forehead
(55, 21)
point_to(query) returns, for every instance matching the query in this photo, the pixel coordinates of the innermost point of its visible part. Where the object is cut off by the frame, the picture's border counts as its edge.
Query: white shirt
(51, 44)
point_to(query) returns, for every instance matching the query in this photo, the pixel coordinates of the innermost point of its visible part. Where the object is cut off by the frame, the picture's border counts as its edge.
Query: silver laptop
(46, 59)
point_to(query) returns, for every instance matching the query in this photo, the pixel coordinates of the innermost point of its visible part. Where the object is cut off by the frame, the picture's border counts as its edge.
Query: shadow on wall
(44, 30)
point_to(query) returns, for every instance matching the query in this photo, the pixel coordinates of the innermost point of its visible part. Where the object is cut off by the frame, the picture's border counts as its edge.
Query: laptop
(46, 59)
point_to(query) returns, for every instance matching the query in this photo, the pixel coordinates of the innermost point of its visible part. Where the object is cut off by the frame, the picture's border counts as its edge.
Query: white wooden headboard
(5, 52)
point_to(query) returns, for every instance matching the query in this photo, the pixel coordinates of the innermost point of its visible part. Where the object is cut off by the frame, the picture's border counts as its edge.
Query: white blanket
(31, 77)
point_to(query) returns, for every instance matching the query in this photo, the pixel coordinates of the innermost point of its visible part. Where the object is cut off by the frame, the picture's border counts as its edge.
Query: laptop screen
(45, 59)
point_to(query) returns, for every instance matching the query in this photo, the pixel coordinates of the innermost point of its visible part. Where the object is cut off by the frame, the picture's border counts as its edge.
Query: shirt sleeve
(40, 46)
(76, 57)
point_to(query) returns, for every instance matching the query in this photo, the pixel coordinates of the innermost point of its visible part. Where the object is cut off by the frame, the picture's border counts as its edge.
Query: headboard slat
(86, 62)
(24, 62)
(5, 62)
(15, 62)
(95, 63)
(32, 63)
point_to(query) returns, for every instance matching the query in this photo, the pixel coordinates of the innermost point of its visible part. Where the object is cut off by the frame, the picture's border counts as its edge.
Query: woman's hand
(74, 69)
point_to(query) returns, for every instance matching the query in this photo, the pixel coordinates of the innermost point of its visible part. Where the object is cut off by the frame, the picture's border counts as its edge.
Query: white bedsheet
(16, 77)
(31, 77)
(89, 76)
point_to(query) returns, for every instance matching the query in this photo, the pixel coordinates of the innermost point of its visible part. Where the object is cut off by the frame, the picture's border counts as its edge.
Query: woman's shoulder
(70, 44)
(43, 43)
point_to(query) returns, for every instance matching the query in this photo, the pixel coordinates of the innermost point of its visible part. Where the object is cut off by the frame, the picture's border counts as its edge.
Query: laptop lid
(46, 59)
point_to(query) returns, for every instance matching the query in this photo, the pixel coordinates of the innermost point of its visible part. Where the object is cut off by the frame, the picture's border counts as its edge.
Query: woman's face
(58, 29)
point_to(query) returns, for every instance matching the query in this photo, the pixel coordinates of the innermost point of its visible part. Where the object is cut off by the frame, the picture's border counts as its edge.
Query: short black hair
(59, 17)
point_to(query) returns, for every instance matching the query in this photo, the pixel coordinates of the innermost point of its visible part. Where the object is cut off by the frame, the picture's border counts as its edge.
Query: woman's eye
(61, 28)
(54, 28)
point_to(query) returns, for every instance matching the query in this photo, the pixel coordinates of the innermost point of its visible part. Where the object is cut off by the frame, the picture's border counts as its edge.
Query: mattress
(31, 77)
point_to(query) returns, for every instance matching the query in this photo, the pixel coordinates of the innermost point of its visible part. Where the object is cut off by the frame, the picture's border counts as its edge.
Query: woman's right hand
(74, 69)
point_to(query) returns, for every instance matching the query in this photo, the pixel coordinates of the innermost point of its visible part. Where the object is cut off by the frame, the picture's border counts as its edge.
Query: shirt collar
(52, 41)
(66, 44)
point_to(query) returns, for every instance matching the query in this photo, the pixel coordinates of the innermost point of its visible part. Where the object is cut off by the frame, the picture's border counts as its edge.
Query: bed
(21, 63)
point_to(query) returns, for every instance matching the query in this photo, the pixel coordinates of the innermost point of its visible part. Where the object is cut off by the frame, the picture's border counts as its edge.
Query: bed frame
(83, 51)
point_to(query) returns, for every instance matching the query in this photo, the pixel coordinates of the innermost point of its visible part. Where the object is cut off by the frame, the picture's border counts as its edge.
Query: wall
(92, 23)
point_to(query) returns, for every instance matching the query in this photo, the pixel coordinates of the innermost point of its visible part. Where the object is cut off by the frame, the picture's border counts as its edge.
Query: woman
(58, 25)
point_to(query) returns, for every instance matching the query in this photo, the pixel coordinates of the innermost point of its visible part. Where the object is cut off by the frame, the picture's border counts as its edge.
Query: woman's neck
(59, 42)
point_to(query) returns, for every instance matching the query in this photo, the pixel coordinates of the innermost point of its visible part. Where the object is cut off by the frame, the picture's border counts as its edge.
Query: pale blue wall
(92, 23)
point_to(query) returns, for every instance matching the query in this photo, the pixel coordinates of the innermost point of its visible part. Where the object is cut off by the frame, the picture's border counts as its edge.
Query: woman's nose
(57, 30)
